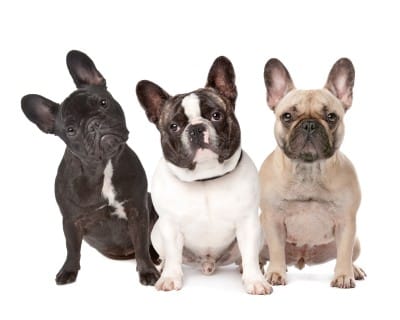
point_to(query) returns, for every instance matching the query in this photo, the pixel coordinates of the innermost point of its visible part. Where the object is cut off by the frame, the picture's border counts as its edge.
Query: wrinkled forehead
(83, 102)
(193, 105)
(309, 101)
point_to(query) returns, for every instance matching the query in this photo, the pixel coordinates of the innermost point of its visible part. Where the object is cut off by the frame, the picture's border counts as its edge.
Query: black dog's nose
(309, 126)
(196, 130)
(94, 125)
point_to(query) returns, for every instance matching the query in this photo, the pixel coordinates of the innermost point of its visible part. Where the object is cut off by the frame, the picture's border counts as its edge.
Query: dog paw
(169, 283)
(259, 287)
(149, 277)
(276, 279)
(154, 256)
(65, 276)
(343, 282)
(359, 274)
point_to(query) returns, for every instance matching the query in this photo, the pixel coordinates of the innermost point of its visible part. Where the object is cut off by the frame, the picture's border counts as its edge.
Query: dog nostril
(94, 125)
(309, 126)
(196, 130)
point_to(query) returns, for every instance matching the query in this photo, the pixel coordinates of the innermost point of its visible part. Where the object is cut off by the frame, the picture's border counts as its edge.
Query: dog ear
(277, 81)
(40, 111)
(83, 71)
(341, 81)
(152, 98)
(221, 77)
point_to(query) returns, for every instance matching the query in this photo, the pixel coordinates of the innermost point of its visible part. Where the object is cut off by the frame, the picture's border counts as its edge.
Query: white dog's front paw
(260, 286)
(169, 283)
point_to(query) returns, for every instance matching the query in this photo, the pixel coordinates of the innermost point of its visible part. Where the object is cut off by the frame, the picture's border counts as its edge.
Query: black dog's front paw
(149, 277)
(154, 256)
(65, 277)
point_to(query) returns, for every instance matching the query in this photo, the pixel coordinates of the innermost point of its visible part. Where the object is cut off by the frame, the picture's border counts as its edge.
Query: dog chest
(108, 192)
(206, 212)
(309, 222)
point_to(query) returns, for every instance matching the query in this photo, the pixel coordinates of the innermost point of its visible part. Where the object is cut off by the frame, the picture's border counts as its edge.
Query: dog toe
(359, 274)
(343, 282)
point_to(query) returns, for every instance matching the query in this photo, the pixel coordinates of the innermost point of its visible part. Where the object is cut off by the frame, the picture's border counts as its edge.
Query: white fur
(108, 192)
(191, 107)
(207, 166)
(205, 217)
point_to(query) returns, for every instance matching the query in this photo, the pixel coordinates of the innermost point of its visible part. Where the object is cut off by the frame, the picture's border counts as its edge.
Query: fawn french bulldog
(205, 188)
(101, 186)
(309, 189)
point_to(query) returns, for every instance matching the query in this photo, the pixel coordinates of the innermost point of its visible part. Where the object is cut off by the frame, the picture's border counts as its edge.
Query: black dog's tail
(153, 217)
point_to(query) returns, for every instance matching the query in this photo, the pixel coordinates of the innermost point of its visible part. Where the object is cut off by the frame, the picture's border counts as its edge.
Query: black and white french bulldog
(101, 186)
(205, 188)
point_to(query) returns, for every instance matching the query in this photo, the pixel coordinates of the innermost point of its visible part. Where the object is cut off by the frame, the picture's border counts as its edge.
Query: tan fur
(308, 209)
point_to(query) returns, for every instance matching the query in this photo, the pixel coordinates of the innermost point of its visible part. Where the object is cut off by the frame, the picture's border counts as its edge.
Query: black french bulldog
(101, 186)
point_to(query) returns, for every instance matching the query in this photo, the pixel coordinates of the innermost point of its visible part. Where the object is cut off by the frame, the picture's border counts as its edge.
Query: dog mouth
(309, 150)
(203, 154)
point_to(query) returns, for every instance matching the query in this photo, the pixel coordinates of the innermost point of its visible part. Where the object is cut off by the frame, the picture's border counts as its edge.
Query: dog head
(200, 135)
(89, 121)
(309, 123)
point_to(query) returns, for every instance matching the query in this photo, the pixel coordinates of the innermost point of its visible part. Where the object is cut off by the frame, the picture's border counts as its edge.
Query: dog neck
(308, 172)
(88, 167)
(207, 170)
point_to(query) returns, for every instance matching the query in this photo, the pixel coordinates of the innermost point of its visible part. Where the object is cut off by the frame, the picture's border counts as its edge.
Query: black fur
(92, 125)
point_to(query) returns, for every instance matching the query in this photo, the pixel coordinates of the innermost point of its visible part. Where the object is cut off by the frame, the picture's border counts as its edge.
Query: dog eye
(286, 117)
(70, 131)
(216, 116)
(103, 103)
(174, 127)
(331, 117)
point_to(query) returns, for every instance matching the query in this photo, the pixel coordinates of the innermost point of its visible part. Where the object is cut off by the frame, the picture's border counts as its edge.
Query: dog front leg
(248, 235)
(73, 237)
(345, 233)
(138, 226)
(168, 242)
(275, 236)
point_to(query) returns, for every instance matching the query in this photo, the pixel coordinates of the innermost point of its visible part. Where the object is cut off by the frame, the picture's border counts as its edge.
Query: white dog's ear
(277, 81)
(221, 77)
(341, 81)
(152, 98)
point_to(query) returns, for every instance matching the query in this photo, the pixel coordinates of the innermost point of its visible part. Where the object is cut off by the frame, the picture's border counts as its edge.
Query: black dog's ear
(40, 111)
(341, 81)
(83, 70)
(152, 98)
(221, 77)
(277, 81)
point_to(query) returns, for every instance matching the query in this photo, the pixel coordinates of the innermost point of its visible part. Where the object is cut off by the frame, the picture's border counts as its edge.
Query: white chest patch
(191, 107)
(108, 192)
(207, 213)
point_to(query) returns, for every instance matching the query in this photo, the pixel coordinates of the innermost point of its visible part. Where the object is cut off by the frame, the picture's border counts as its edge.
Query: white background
(174, 43)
